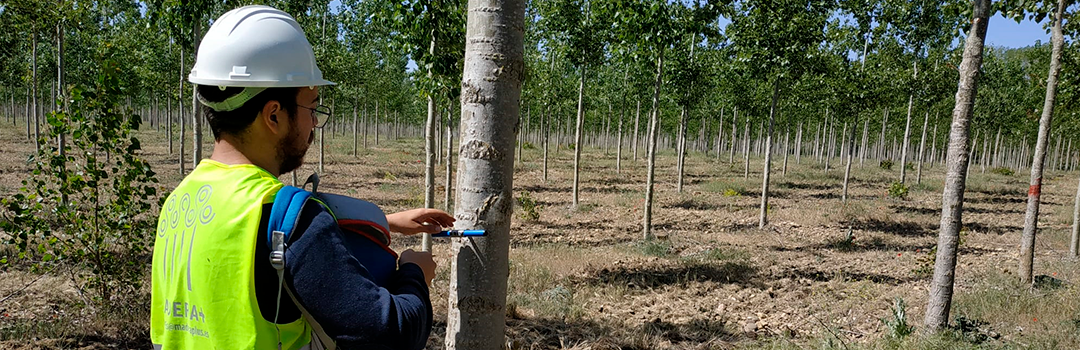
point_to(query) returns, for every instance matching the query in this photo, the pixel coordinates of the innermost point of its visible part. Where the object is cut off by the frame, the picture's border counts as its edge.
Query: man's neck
(230, 151)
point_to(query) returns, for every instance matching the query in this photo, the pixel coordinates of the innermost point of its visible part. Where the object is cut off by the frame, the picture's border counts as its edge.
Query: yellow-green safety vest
(203, 281)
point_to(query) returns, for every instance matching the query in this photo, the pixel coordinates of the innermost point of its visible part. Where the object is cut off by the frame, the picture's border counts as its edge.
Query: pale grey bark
(490, 102)
(798, 144)
(922, 148)
(1074, 242)
(850, 158)
(62, 138)
(577, 137)
(952, 199)
(654, 126)
(881, 141)
(429, 159)
(637, 116)
(734, 129)
(355, 130)
(907, 131)
(787, 149)
(763, 218)
(196, 113)
(681, 150)
(34, 88)
(180, 108)
(449, 164)
(1031, 217)
(746, 148)
(865, 139)
(719, 134)
(619, 143)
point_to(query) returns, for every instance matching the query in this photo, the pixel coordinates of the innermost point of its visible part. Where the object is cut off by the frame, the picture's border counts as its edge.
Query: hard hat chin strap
(234, 101)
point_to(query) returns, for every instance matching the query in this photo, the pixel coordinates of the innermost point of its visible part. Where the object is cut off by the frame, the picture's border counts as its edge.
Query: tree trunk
(720, 134)
(375, 122)
(577, 136)
(787, 149)
(952, 200)
(798, 144)
(637, 116)
(618, 147)
(449, 163)
(734, 129)
(355, 130)
(681, 150)
(1031, 218)
(429, 152)
(865, 139)
(62, 138)
(545, 127)
(34, 88)
(196, 124)
(1074, 243)
(654, 125)
(850, 157)
(490, 103)
(746, 148)
(881, 150)
(922, 147)
(907, 131)
(180, 111)
(764, 212)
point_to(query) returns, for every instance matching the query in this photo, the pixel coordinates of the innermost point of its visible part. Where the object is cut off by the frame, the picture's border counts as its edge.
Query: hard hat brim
(256, 83)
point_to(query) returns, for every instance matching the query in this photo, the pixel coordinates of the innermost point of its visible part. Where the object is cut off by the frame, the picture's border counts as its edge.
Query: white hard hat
(259, 47)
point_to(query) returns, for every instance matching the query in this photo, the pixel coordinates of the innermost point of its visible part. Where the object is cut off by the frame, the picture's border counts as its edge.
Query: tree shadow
(804, 186)
(822, 276)
(649, 277)
(899, 228)
(899, 208)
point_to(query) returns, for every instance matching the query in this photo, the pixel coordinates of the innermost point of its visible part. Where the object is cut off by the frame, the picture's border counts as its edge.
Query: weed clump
(530, 210)
(898, 190)
(886, 164)
(897, 327)
(1002, 171)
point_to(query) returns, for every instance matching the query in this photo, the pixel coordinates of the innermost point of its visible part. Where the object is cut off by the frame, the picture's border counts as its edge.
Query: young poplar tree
(952, 199)
(490, 101)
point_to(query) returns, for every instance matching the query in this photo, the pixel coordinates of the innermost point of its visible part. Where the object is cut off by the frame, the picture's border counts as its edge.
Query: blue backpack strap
(286, 212)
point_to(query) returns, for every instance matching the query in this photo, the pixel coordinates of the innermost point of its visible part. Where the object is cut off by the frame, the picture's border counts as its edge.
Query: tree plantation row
(903, 85)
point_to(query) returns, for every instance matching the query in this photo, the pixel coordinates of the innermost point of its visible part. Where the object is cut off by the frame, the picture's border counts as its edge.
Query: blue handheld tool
(460, 233)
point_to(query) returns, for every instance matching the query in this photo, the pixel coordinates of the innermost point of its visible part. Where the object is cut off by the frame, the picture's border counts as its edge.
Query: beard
(291, 152)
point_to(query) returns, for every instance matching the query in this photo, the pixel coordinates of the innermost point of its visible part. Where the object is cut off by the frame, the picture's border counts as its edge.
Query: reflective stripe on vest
(203, 294)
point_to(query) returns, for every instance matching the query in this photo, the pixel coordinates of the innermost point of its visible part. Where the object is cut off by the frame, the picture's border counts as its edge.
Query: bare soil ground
(583, 278)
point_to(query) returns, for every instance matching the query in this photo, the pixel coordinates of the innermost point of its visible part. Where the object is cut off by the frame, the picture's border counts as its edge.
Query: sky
(1007, 33)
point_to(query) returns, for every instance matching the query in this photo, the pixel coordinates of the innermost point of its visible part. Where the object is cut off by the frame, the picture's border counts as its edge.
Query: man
(213, 284)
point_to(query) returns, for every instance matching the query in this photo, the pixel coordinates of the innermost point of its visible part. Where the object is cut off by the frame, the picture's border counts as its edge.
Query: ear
(272, 116)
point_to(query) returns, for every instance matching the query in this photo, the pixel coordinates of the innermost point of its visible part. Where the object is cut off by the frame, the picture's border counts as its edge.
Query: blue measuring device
(460, 233)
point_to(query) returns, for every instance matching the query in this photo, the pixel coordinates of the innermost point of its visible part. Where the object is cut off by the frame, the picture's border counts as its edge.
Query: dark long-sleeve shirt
(338, 291)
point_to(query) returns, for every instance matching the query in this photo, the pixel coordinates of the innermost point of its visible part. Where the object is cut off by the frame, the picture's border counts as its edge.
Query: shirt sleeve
(339, 293)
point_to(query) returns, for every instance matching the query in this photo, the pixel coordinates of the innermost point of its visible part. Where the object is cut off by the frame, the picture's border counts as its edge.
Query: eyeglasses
(320, 113)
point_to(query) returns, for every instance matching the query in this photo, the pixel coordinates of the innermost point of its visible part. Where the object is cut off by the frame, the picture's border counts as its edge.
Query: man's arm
(339, 293)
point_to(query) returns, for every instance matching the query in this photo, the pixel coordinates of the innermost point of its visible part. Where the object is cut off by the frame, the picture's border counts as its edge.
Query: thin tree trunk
(34, 88)
(637, 116)
(746, 148)
(448, 206)
(618, 150)
(764, 212)
(180, 110)
(787, 149)
(577, 136)
(881, 150)
(734, 129)
(1074, 243)
(545, 127)
(654, 125)
(1031, 218)
(430, 150)
(720, 134)
(196, 124)
(922, 147)
(490, 107)
(681, 145)
(865, 139)
(952, 200)
(355, 130)
(850, 158)
(798, 144)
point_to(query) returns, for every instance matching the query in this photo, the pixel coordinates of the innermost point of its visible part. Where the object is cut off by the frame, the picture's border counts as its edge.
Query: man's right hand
(422, 259)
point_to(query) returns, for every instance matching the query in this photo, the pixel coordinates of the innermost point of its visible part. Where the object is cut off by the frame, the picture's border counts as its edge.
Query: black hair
(234, 122)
